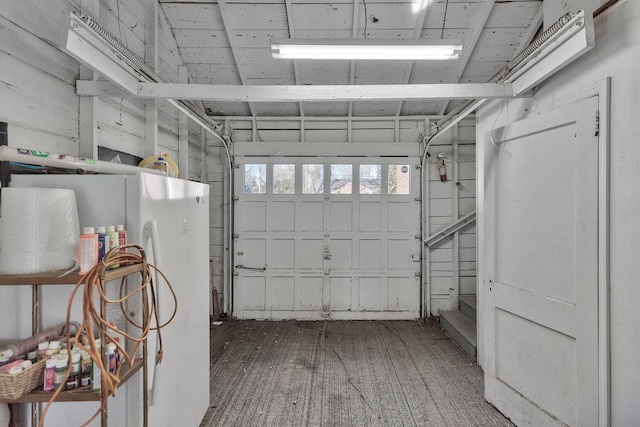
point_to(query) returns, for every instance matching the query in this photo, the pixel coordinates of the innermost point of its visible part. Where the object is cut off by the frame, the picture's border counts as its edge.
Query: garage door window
(399, 179)
(341, 179)
(255, 178)
(284, 179)
(370, 179)
(313, 179)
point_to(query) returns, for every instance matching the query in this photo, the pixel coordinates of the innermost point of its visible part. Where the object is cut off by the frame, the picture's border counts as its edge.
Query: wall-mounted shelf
(86, 394)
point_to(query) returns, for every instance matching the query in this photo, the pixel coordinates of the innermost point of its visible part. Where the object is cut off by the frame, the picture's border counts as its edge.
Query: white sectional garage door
(321, 237)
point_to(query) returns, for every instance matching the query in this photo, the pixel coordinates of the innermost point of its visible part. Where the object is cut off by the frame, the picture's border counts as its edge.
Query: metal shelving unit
(85, 394)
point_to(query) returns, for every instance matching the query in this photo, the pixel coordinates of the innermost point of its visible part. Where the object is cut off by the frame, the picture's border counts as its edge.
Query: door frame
(601, 89)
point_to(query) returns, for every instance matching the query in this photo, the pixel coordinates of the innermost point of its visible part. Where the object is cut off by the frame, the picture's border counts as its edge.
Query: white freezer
(181, 212)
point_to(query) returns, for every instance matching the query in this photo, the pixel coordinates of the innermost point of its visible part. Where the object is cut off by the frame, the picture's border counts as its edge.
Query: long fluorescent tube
(367, 49)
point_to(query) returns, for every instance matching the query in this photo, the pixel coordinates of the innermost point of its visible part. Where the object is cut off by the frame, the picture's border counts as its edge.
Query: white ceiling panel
(459, 15)
(432, 71)
(381, 108)
(193, 16)
(324, 72)
(227, 108)
(323, 109)
(276, 109)
(258, 38)
(214, 74)
(501, 36)
(325, 16)
(202, 38)
(387, 16)
(206, 55)
(258, 16)
(421, 108)
(380, 72)
(513, 14)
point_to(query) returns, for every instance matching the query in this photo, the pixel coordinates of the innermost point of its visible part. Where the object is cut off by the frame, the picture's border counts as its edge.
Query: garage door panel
(282, 293)
(283, 216)
(341, 293)
(370, 254)
(328, 254)
(255, 253)
(342, 254)
(370, 217)
(398, 254)
(311, 254)
(308, 295)
(255, 216)
(254, 293)
(399, 217)
(402, 293)
(283, 253)
(312, 216)
(341, 216)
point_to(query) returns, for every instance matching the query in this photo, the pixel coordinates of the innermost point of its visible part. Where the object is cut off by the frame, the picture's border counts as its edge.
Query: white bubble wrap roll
(39, 230)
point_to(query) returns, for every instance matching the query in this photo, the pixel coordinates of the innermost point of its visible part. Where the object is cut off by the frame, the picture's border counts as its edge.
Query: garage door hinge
(236, 198)
(417, 274)
(418, 199)
(235, 236)
(597, 132)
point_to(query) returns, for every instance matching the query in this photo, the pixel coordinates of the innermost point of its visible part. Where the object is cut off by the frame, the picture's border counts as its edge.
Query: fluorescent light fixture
(367, 49)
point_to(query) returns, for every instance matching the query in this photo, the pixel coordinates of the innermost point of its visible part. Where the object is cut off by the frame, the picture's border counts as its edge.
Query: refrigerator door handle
(151, 231)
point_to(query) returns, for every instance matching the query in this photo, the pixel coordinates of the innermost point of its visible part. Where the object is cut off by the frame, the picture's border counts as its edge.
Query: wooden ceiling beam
(228, 27)
(417, 31)
(323, 93)
(470, 45)
(291, 26)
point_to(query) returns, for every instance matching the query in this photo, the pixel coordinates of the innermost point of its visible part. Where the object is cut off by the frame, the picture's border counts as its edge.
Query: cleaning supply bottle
(122, 236)
(103, 242)
(88, 250)
(113, 239)
(160, 164)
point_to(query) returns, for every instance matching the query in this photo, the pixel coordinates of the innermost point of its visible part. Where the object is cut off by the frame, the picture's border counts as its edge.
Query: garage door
(326, 237)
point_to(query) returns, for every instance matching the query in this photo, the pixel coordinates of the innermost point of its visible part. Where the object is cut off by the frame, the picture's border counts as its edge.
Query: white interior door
(541, 279)
(319, 238)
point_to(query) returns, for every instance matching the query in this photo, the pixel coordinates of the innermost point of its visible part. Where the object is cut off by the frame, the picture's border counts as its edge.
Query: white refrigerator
(179, 211)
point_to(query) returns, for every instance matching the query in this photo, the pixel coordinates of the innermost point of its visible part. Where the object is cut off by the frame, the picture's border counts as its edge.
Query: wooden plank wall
(444, 257)
(37, 81)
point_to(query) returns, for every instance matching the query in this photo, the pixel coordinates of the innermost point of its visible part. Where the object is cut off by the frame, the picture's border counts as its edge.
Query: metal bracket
(450, 229)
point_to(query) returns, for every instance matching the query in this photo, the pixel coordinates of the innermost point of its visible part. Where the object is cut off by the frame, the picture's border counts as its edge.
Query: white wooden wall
(452, 268)
(614, 56)
(37, 81)
(452, 261)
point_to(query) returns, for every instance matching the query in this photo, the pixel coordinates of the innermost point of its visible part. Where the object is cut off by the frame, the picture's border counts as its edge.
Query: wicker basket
(13, 387)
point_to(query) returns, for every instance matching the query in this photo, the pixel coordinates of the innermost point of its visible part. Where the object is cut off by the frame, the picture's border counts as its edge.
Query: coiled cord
(122, 50)
(93, 324)
(535, 45)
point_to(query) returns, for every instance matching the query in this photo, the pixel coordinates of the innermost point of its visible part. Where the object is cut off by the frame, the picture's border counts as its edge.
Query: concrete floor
(337, 373)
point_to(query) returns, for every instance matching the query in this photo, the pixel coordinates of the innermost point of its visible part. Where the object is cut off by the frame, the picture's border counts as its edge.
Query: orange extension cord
(93, 324)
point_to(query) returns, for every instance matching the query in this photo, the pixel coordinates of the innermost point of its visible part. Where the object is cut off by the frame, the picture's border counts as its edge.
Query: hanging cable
(93, 324)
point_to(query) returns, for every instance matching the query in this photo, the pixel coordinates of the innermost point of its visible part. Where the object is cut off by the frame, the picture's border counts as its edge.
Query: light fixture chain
(444, 18)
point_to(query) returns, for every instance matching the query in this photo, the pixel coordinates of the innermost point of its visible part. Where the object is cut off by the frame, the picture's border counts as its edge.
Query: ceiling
(227, 42)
